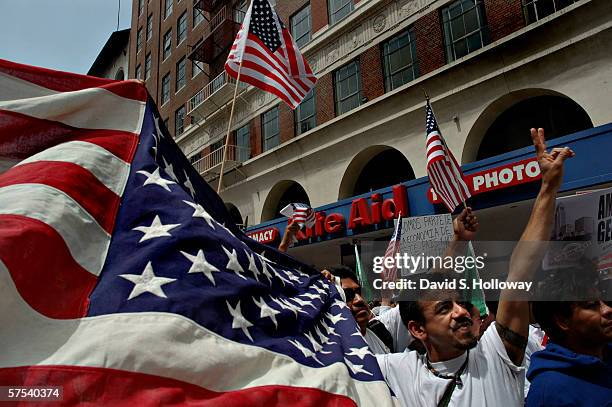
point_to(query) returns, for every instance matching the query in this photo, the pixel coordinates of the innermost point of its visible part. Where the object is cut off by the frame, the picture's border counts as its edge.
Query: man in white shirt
(465, 226)
(458, 369)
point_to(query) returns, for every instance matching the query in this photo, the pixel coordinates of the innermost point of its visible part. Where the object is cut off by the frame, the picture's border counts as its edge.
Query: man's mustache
(462, 322)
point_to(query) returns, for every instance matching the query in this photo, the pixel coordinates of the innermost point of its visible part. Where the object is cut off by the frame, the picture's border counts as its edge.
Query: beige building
(490, 67)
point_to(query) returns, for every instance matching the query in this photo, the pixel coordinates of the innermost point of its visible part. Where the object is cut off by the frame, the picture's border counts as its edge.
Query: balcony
(212, 96)
(223, 29)
(205, 5)
(209, 166)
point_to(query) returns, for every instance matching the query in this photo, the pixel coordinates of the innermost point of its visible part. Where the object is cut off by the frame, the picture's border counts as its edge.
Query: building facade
(493, 69)
(113, 60)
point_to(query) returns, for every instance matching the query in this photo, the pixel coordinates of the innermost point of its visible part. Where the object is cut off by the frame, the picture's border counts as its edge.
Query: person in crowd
(459, 369)
(575, 368)
(374, 333)
(465, 227)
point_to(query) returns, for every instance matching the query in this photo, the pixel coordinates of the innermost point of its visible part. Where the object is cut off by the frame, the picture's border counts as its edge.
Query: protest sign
(425, 236)
(584, 222)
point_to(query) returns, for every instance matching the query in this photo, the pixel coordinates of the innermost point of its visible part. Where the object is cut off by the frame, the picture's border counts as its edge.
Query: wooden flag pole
(229, 128)
(443, 142)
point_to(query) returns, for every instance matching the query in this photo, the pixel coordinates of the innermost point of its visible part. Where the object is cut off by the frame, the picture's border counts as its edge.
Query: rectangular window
(243, 143)
(149, 27)
(538, 9)
(165, 96)
(168, 8)
(167, 44)
(138, 40)
(140, 7)
(196, 67)
(300, 26)
(347, 85)
(270, 129)
(339, 9)
(148, 66)
(181, 30)
(305, 114)
(138, 73)
(465, 28)
(399, 60)
(198, 17)
(180, 74)
(179, 121)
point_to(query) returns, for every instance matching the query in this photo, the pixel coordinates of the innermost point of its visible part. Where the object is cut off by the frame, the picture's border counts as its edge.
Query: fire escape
(223, 28)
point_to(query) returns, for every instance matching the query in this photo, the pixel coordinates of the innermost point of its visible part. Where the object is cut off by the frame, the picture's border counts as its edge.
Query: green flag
(363, 281)
(475, 296)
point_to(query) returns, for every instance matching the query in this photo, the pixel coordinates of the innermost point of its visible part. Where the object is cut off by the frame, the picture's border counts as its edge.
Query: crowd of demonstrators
(447, 354)
(459, 368)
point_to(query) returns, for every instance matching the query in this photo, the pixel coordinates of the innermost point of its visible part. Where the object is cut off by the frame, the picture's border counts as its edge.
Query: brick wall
(372, 73)
(429, 42)
(318, 10)
(287, 8)
(325, 99)
(503, 17)
(286, 122)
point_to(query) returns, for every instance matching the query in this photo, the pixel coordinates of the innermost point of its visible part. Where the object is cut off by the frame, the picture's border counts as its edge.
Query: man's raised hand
(551, 164)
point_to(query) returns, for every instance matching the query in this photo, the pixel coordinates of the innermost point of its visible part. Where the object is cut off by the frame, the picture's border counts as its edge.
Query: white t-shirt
(391, 319)
(534, 344)
(490, 379)
(377, 346)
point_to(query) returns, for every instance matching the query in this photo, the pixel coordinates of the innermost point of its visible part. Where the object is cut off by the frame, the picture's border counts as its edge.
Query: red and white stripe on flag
(390, 273)
(304, 216)
(270, 58)
(444, 172)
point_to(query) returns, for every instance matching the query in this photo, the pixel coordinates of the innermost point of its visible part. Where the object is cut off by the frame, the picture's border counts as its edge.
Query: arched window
(281, 195)
(374, 168)
(234, 213)
(120, 75)
(557, 115)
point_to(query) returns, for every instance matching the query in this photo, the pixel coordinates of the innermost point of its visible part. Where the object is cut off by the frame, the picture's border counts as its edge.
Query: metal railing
(208, 90)
(226, 13)
(235, 154)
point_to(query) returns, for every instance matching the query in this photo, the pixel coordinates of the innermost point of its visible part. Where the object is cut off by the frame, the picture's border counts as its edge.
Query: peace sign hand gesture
(551, 164)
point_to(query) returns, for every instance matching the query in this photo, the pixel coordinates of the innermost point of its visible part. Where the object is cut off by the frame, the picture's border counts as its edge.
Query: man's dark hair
(342, 271)
(567, 287)
(412, 310)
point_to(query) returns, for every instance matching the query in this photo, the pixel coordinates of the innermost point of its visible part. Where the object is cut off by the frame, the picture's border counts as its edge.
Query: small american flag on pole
(300, 213)
(268, 58)
(444, 173)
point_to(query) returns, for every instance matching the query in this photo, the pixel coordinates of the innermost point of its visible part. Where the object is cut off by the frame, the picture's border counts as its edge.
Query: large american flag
(270, 58)
(444, 173)
(123, 280)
